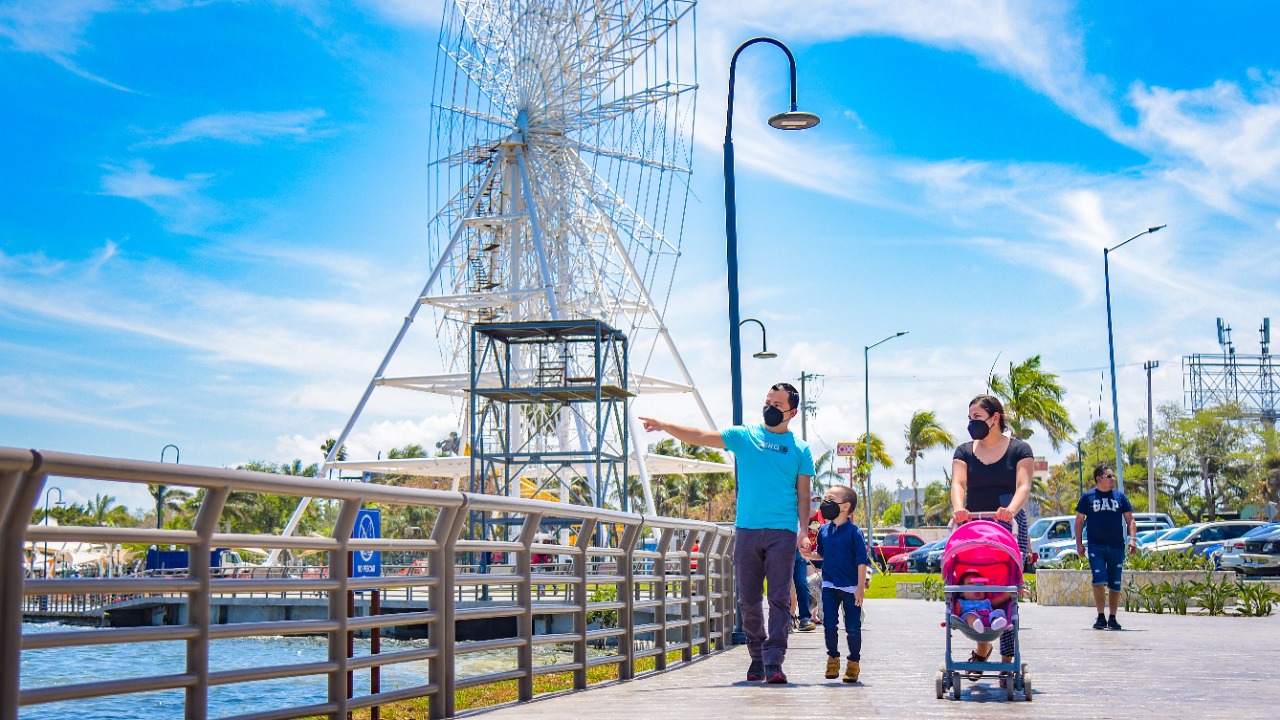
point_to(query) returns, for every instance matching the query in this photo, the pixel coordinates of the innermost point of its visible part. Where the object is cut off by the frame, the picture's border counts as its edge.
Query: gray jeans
(760, 556)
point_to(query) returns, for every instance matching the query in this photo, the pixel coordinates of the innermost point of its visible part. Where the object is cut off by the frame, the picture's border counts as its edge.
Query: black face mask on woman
(979, 429)
(772, 416)
(830, 509)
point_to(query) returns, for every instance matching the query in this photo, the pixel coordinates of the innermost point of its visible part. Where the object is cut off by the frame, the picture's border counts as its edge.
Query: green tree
(824, 472)
(892, 515)
(937, 502)
(1032, 396)
(1207, 457)
(102, 509)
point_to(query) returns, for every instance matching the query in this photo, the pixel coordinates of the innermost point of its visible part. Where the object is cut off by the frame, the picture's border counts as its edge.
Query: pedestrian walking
(992, 474)
(843, 551)
(1101, 517)
(774, 470)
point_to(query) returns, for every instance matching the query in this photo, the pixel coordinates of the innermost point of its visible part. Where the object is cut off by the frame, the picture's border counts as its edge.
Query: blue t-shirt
(1104, 516)
(843, 548)
(768, 464)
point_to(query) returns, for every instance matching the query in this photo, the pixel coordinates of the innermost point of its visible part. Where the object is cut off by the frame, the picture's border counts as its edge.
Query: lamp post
(866, 354)
(1151, 441)
(1111, 349)
(764, 353)
(790, 120)
(1080, 465)
(60, 503)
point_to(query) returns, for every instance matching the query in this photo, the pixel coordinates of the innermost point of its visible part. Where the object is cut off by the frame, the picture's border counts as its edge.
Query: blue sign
(367, 563)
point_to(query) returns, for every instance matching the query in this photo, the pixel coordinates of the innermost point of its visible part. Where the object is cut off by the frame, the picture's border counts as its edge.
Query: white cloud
(251, 128)
(178, 201)
(54, 30)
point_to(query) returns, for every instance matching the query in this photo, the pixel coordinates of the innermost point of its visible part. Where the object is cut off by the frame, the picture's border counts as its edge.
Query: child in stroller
(975, 607)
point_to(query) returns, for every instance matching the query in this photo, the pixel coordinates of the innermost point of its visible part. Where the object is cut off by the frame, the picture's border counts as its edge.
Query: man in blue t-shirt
(1102, 514)
(774, 469)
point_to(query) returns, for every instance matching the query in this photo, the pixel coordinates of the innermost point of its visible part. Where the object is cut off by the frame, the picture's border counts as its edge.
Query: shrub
(931, 588)
(1255, 599)
(1213, 596)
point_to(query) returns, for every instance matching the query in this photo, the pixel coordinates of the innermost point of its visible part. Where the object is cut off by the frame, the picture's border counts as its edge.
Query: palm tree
(167, 497)
(100, 508)
(878, 455)
(1032, 396)
(923, 432)
(824, 472)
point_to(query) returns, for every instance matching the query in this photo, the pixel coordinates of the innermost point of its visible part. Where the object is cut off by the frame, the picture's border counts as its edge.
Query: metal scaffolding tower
(1250, 381)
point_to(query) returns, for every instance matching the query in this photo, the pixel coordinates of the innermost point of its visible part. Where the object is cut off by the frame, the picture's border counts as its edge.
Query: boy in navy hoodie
(843, 551)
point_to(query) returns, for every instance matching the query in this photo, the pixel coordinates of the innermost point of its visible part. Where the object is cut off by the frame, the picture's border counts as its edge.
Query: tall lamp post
(60, 503)
(1151, 441)
(1080, 464)
(790, 120)
(866, 354)
(1111, 348)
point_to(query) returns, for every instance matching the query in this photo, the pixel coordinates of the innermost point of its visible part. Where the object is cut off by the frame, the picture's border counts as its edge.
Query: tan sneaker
(833, 668)
(851, 671)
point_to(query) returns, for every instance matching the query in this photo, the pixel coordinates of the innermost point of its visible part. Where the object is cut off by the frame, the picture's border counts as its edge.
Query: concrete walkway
(1159, 666)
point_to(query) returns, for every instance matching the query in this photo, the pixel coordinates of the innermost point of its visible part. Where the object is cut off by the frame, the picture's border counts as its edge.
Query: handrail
(662, 603)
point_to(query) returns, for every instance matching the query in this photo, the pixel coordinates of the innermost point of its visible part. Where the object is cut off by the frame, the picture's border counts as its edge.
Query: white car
(1203, 537)
(1050, 529)
(1053, 552)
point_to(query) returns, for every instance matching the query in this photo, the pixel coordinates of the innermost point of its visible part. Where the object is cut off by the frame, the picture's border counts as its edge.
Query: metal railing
(669, 598)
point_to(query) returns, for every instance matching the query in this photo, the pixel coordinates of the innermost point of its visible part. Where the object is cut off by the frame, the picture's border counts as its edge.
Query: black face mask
(772, 416)
(830, 509)
(979, 429)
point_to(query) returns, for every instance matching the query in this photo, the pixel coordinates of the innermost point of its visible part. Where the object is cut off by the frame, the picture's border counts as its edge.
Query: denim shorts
(1106, 562)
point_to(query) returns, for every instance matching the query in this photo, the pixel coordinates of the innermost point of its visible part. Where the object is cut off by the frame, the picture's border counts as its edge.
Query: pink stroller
(991, 551)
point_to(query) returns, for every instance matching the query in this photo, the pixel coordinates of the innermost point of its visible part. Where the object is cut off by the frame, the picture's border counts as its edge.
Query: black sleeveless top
(991, 486)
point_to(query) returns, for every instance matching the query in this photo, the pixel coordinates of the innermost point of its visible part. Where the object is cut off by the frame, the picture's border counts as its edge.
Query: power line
(941, 378)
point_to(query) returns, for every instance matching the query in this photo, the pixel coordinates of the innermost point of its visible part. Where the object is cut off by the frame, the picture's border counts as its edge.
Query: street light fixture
(60, 503)
(790, 120)
(764, 353)
(866, 351)
(793, 119)
(1111, 348)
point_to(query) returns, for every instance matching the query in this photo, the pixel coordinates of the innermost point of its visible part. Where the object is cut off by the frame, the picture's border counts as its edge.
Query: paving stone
(1159, 666)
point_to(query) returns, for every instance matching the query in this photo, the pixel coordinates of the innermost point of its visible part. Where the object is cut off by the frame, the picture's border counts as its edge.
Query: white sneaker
(998, 623)
(977, 625)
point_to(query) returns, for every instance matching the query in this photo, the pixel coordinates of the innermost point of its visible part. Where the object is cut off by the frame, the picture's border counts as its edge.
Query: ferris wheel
(561, 147)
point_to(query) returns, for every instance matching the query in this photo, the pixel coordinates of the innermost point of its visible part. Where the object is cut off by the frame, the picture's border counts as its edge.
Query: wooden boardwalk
(1159, 666)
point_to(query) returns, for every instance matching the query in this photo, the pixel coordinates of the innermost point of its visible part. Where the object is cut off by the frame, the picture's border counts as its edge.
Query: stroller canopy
(986, 547)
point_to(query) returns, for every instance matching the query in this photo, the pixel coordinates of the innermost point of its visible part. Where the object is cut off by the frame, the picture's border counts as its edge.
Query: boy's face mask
(830, 509)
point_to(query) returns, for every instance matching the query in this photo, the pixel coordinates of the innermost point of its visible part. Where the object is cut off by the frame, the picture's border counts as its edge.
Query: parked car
(1149, 536)
(1050, 553)
(1261, 555)
(1154, 520)
(1050, 529)
(1230, 556)
(933, 559)
(895, 544)
(1204, 537)
(914, 561)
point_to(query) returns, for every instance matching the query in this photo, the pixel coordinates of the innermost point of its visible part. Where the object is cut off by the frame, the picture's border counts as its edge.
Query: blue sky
(212, 214)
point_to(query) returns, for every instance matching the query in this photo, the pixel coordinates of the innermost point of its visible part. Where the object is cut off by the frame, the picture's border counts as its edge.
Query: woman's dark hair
(992, 405)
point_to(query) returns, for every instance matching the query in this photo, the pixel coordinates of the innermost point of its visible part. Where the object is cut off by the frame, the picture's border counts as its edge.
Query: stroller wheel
(939, 685)
(955, 686)
(1026, 687)
(1008, 683)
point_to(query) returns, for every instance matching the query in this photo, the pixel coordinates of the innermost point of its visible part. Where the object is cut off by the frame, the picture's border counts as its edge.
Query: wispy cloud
(251, 128)
(178, 201)
(55, 30)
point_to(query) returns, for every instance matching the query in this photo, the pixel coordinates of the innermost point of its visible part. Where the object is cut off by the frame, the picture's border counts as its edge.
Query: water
(61, 666)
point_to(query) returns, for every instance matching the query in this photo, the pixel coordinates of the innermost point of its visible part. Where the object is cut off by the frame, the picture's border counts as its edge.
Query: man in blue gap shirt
(774, 469)
(1103, 513)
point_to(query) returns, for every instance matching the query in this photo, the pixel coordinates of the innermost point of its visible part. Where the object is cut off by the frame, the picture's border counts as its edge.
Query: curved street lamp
(1111, 348)
(47, 568)
(792, 119)
(866, 355)
(764, 353)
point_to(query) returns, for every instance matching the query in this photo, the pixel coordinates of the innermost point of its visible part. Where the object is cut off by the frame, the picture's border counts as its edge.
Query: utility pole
(804, 404)
(1151, 445)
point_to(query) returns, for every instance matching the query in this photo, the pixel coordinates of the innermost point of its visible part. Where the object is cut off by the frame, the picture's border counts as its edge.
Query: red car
(895, 544)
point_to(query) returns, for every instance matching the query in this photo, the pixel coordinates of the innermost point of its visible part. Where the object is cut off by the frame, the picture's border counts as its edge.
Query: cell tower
(1211, 380)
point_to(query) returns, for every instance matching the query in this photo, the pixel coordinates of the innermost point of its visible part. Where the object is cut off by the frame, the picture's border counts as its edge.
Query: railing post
(728, 589)
(441, 637)
(660, 571)
(583, 598)
(338, 607)
(626, 593)
(18, 497)
(524, 624)
(199, 568)
(688, 592)
(702, 589)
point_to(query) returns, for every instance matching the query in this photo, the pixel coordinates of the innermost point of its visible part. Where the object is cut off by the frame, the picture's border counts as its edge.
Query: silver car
(1229, 558)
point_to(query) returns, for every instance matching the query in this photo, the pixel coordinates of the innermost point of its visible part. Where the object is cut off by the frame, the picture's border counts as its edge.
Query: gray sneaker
(755, 671)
